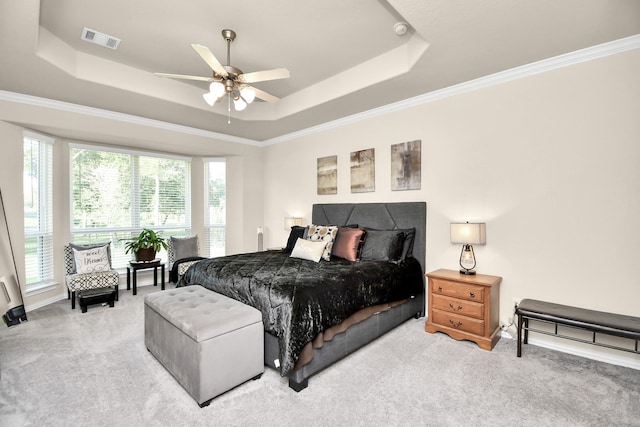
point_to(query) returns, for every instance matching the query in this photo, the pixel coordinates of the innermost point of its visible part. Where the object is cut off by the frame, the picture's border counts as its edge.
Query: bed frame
(382, 216)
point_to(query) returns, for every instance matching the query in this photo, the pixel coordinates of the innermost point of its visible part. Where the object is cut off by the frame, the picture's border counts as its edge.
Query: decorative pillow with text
(91, 260)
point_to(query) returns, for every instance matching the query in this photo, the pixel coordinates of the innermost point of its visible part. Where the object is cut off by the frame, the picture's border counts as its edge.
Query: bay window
(116, 193)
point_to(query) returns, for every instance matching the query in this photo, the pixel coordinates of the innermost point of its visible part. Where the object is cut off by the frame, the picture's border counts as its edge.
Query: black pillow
(409, 237)
(297, 231)
(383, 245)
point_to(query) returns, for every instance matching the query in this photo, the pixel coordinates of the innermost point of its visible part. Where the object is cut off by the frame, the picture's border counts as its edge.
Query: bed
(316, 313)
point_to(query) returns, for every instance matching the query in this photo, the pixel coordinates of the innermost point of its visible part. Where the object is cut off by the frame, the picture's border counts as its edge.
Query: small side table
(464, 307)
(142, 265)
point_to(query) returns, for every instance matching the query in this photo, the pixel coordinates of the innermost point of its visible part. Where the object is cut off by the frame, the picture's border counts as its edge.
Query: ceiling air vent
(98, 38)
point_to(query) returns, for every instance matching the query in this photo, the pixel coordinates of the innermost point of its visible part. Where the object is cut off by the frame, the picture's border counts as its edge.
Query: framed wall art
(363, 171)
(406, 165)
(327, 181)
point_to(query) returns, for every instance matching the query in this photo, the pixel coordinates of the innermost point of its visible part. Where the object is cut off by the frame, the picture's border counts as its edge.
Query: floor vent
(99, 38)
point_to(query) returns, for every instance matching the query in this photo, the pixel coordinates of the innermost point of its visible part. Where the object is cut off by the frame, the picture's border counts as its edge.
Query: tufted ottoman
(210, 343)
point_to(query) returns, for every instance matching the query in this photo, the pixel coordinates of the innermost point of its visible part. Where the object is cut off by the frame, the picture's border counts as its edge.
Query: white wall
(14, 216)
(550, 162)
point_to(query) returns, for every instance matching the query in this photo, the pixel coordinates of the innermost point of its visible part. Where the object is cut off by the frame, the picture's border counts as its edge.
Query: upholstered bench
(210, 343)
(579, 318)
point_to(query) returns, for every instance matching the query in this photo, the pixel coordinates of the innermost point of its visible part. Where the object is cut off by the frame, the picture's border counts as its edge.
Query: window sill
(40, 288)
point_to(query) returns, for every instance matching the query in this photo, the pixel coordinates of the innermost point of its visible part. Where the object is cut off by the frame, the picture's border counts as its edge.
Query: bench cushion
(598, 321)
(201, 313)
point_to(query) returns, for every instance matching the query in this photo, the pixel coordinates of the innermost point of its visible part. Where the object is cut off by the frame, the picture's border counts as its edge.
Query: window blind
(215, 207)
(115, 194)
(38, 209)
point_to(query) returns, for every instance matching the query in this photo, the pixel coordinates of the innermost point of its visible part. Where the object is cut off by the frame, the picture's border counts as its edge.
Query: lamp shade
(291, 221)
(239, 104)
(468, 233)
(217, 89)
(248, 93)
(210, 98)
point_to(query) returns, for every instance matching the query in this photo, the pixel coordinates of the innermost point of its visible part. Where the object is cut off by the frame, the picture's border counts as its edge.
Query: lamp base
(467, 272)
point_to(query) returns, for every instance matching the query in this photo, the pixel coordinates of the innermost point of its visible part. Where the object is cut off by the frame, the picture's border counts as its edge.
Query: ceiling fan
(229, 80)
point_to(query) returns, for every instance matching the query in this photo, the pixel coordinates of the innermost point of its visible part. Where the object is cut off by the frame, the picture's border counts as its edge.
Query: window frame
(209, 227)
(45, 226)
(115, 234)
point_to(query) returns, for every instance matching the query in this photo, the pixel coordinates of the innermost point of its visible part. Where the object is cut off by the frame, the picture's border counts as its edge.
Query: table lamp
(468, 234)
(291, 221)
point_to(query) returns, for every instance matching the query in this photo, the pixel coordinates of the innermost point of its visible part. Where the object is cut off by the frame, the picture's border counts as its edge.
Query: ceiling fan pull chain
(228, 110)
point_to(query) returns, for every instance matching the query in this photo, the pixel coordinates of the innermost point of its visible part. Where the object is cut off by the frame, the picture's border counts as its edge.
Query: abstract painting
(327, 175)
(406, 166)
(363, 171)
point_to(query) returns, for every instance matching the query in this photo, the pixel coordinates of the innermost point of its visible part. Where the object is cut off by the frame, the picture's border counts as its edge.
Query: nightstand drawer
(458, 306)
(457, 290)
(460, 323)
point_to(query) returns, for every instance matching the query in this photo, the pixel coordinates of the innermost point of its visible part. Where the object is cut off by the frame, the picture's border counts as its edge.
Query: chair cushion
(101, 279)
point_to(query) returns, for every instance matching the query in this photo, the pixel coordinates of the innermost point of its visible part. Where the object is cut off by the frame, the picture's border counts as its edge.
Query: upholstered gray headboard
(381, 216)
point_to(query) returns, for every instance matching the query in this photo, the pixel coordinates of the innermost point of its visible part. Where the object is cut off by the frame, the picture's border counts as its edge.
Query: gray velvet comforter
(299, 298)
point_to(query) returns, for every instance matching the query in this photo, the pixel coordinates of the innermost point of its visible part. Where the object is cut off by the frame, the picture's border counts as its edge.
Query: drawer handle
(455, 309)
(439, 288)
(455, 325)
(472, 294)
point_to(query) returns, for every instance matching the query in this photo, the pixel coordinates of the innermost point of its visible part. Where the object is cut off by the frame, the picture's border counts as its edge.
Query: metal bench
(597, 322)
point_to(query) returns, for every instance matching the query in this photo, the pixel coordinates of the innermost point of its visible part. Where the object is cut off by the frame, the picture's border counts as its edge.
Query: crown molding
(119, 117)
(543, 66)
(557, 62)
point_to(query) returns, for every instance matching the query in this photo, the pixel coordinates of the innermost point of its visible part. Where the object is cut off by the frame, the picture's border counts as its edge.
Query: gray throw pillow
(382, 245)
(184, 247)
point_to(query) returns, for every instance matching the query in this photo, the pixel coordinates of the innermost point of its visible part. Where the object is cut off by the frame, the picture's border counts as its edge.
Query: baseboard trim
(45, 302)
(628, 360)
(145, 278)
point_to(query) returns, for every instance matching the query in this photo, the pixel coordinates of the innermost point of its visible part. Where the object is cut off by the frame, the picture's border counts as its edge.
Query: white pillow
(308, 249)
(91, 260)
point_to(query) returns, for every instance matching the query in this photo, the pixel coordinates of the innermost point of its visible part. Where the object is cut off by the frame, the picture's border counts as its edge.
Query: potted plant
(145, 245)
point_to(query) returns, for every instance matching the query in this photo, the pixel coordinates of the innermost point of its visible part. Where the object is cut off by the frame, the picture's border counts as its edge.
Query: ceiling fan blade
(184, 77)
(263, 76)
(210, 59)
(264, 95)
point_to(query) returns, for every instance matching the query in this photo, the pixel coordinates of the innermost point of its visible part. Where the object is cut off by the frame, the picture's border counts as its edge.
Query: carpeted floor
(63, 368)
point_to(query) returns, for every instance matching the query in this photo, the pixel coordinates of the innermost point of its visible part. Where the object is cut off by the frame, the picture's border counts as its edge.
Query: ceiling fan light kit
(229, 80)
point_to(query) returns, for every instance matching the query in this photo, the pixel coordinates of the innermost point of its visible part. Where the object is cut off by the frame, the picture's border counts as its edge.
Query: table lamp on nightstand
(468, 234)
(291, 221)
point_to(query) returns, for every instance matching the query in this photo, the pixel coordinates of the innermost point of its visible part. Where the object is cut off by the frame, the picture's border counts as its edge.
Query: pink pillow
(348, 243)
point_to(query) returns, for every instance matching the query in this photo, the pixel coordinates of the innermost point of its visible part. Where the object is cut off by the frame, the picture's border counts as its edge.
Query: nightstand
(465, 307)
